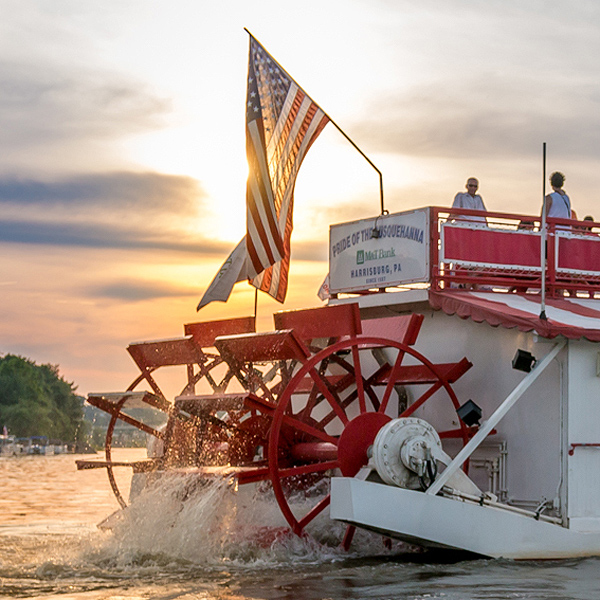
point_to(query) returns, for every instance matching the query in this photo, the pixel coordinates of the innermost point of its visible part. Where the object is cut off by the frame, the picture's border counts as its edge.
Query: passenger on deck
(558, 204)
(588, 228)
(526, 225)
(470, 200)
(473, 201)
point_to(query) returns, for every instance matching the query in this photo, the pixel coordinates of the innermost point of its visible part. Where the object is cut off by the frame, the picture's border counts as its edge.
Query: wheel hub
(355, 440)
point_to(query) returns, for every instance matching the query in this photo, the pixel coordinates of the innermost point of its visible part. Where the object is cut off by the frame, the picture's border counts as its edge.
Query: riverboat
(445, 395)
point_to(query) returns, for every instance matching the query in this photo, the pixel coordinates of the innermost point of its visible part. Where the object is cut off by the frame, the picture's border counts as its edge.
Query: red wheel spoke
(315, 511)
(373, 380)
(417, 403)
(392, 379)
(347, 402)
(136, 382)
(331, 415)
(310, 429)
(343, 384)
(350, 530)
(307, 469)
(204, 371)
(333, 401)
(221, 387)
(314, 396)
(359, 379)
(338, 388)
(253, 475)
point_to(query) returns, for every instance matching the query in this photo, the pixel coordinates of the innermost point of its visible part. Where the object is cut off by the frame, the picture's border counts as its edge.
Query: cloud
(496, 115)
(44, 105)
(117, 191)
(343, 212)
(121, 210)
(106, 236)
(487, 79)
(310, 251)
(129, 291)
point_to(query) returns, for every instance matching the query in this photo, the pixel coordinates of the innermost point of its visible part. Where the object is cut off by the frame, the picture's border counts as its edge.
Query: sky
(122, 146)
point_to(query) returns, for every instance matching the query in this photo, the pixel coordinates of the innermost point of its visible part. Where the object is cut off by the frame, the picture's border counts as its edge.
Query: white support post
(498, 415)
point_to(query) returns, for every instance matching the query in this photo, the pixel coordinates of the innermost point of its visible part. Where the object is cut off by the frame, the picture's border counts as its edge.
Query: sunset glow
(123, 171)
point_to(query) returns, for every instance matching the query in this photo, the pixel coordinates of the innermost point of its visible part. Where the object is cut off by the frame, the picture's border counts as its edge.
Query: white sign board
(398, 254)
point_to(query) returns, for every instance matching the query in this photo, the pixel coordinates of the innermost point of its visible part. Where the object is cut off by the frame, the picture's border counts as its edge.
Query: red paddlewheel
(329, 414)
(231, 438)
(305, 414)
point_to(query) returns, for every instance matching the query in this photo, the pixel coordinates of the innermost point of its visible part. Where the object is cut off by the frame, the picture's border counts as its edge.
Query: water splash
(215, 523)
(181, 531)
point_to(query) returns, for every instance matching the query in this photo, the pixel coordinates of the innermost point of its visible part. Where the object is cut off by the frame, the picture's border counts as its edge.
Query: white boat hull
(437, 522)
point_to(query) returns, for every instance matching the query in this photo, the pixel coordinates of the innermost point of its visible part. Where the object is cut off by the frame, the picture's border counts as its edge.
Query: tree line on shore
(35, 400)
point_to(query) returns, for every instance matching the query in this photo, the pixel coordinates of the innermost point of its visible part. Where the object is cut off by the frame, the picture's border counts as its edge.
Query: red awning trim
(574, 318)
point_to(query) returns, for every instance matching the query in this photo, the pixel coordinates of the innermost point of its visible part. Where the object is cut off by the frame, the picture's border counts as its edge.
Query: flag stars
(267, 87)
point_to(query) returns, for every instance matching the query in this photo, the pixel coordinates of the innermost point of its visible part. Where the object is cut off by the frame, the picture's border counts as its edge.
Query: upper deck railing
(446, 248)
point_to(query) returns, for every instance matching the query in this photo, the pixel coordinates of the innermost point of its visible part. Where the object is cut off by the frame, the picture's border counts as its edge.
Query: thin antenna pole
(383, 211)
(544, 238)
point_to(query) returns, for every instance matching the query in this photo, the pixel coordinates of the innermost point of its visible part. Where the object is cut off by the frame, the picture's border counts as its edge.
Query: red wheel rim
(287, 423)
(108, 453)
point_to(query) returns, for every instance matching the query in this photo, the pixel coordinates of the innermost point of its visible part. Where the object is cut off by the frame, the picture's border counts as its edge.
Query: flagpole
(383, 211)
(255, 304)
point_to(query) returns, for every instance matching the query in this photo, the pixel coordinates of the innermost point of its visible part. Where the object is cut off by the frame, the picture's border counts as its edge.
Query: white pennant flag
(323, 292)
(234, 269)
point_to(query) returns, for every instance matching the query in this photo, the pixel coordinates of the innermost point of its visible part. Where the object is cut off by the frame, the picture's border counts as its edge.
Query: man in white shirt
(470, 200)
(558, 203)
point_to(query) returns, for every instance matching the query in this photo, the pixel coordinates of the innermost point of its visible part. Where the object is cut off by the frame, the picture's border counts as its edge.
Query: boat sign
(388, 250)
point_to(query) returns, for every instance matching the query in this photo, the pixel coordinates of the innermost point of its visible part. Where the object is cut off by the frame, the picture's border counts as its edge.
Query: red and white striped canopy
(574, 318)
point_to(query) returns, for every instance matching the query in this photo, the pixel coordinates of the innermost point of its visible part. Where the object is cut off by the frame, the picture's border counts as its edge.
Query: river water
(206, 548)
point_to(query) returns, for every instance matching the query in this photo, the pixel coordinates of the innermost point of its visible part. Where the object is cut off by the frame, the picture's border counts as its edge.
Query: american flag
(282, 122)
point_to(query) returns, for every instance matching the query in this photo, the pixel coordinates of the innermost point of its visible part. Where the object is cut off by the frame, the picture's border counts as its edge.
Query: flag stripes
(274, 279)
(282, 123)
(266, 246)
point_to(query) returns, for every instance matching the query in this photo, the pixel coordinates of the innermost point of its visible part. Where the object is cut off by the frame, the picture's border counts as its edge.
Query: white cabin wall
(531, 429)
(583, 418)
